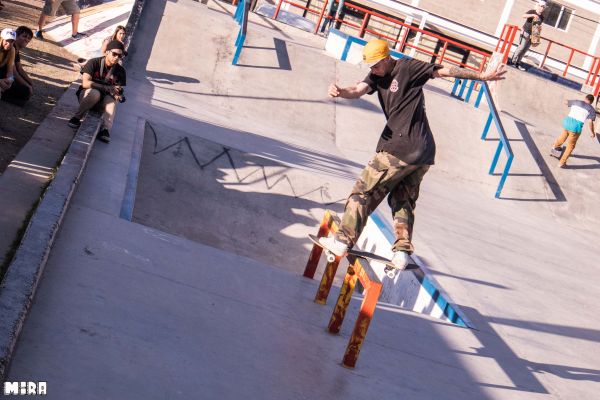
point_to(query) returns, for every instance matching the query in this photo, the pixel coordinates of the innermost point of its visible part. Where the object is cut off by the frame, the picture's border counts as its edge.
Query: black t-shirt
(94, 68)
(529, 21)
(17, 56)
(406, 135)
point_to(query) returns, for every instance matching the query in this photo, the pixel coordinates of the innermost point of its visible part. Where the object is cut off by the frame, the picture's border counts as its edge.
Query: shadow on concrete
(470, 280)
(283, 57)
(169, 79)
(35, 57)
(520, 370)
(588, 166)
(552, 183)
(98, 28)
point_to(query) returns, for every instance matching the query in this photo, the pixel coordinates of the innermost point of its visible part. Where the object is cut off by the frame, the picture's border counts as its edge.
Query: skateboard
(389, 270)
(561, 151)
(536, 34)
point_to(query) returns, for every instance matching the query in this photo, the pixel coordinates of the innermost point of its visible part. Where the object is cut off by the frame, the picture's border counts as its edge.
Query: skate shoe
(333, 245)
(400, 259)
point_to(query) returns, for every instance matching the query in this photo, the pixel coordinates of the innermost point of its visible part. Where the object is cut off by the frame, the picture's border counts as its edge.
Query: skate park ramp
(191, 299)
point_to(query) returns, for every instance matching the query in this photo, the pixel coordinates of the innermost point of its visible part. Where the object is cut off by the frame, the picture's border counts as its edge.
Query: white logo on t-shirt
(394, 86)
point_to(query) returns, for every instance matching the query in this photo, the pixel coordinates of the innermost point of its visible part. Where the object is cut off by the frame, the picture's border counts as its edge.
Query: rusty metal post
(327, 281)
(315, 254)
(546, 54)
(339, 312)
(361, 326)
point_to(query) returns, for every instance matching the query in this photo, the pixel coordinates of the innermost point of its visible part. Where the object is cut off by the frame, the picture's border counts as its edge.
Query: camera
(120, 95)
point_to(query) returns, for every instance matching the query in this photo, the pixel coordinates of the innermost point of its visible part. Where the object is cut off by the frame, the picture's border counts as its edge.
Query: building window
(558, 16)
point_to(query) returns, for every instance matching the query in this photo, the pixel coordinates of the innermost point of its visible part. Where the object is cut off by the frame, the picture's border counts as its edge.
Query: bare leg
(75, 23)
(41, 21)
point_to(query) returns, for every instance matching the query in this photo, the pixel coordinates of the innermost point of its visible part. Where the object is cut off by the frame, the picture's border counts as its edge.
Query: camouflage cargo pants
(384, 175)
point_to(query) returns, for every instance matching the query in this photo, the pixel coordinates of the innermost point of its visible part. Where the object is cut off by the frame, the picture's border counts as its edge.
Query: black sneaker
(78, 36)
(74, 123)
(104, 136)
(39, 35)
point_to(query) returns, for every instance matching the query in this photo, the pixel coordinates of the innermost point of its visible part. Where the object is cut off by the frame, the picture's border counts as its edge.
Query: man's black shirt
(529, 21)
(94, 66)
(406, 135)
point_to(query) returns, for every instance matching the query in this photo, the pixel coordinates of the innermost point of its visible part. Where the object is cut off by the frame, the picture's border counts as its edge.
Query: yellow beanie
(375, 51)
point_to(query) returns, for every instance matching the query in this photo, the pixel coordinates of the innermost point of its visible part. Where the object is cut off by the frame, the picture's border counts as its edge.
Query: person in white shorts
(51, 8)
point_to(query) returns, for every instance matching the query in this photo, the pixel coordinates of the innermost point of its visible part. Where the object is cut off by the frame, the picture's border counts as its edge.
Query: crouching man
(101, 88)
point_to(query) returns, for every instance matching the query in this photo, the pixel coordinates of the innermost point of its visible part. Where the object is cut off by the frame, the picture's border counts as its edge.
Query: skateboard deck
(390, 269)
(536, 34)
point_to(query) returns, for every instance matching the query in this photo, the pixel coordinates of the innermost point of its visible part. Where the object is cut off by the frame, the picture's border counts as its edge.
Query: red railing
(509, 33)
(358, 270)
(507, 37)
(398, 43)
(592, 75)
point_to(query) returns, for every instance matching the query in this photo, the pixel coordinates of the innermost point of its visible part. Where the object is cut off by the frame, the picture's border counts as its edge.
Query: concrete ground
(202, 295)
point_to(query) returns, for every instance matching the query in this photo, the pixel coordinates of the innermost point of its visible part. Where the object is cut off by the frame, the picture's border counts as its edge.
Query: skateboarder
(580, 111)
(406, 148)
(531, 17)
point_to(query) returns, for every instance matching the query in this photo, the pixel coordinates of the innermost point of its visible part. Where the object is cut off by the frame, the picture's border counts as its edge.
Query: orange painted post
(339, 312)
(511, 39)
(596, 73)
(277, 9)
(501, 37)
(315, 254)
(366, 19)
(443, 52)
(367, 309)
(546, 54)
(327, 281)
(321, 16)
(569, 62)
(587, 79)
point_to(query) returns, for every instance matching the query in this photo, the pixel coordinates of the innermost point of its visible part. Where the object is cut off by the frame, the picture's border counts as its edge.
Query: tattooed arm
(456, 72)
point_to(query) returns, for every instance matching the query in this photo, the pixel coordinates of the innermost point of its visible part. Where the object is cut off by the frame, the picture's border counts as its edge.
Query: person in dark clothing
(101, 88)
(406, 148)
(531, 17)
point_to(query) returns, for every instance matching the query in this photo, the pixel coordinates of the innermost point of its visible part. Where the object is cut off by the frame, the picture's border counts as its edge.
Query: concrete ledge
(26, 268)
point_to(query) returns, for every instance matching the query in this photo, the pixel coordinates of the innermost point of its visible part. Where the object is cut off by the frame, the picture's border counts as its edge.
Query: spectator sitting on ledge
(119, 34)
(7, 59)
(22, 88)
(101, 88)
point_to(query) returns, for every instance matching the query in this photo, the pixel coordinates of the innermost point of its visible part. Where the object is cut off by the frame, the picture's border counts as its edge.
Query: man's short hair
(23, 29)
(115, 45)
(590, 98)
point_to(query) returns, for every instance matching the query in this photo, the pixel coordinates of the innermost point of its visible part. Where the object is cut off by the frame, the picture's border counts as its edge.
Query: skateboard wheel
(390, 274)
(330, 257)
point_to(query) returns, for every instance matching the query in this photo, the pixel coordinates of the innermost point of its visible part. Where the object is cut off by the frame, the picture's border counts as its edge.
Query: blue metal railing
(241, 17)
(503, 143)
(362, 42)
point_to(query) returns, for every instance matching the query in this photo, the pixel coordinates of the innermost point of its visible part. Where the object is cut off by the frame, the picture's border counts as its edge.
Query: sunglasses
(118, 55)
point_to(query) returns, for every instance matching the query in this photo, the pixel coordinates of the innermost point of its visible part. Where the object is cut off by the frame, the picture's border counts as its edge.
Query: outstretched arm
(350, 92)
(456, 72)
(592, 129)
